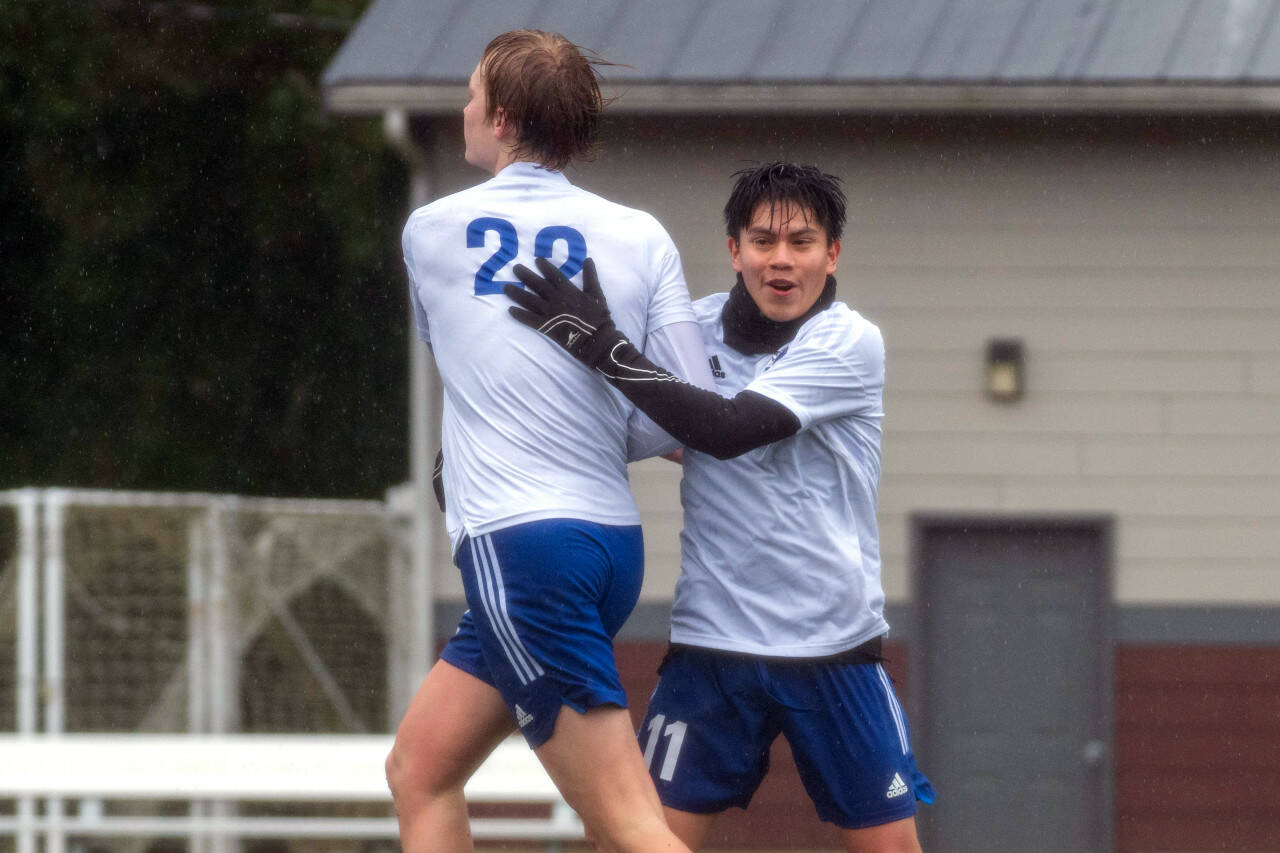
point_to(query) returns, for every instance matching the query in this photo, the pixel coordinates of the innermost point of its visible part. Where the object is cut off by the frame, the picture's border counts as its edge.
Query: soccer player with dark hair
(541, 520)
(778, 615)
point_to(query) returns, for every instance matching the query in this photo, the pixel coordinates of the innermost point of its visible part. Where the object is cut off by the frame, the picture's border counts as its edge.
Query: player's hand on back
(577, 320)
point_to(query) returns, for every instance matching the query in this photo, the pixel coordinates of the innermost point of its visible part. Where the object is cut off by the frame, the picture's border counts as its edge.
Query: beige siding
(655, 484)
(1264, 375)
(1138, 261)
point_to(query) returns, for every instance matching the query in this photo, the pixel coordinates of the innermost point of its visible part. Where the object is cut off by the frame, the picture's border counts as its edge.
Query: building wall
(1138, 261)
(1197, 753)
(1197, 748)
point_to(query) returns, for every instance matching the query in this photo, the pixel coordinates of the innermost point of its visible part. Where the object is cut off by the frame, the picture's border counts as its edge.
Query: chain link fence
(172, 613)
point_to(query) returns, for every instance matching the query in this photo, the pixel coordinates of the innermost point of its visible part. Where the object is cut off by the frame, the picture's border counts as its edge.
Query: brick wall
(1197, 748)
(1197, 753)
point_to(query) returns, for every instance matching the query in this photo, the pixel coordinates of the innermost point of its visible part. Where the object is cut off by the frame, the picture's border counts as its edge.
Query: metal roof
(783, 55)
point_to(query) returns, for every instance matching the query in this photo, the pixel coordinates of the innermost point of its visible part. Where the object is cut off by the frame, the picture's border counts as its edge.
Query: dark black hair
(807, 187)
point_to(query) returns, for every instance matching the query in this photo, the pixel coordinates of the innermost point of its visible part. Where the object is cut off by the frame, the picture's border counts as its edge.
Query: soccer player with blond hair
(541, 520)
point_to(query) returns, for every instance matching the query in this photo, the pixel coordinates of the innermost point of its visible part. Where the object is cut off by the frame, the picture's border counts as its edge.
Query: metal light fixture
(1005, 377)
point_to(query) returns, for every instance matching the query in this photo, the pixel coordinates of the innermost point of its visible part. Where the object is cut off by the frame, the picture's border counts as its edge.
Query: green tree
(200, 284)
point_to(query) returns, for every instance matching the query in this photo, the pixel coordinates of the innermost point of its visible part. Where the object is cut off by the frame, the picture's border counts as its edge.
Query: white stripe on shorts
(894, 708)
(494, 598)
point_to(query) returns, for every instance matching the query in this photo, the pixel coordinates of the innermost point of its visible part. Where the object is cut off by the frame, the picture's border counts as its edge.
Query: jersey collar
(525, 171)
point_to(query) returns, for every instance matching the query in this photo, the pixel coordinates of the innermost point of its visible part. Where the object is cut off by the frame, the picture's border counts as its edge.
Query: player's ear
(734, 255)
(833, 253)
(503, 131)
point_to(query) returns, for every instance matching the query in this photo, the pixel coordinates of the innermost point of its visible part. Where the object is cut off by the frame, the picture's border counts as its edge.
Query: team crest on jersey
(773, 359)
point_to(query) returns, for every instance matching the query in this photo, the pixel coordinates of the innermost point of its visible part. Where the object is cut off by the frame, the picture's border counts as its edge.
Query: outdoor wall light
(1005, 377)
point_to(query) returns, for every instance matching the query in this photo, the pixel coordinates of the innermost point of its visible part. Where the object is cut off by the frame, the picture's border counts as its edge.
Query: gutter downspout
(422, 395)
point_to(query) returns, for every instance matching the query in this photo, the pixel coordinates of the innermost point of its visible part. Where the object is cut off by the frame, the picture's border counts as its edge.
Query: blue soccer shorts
(714, 716)
(545, 600)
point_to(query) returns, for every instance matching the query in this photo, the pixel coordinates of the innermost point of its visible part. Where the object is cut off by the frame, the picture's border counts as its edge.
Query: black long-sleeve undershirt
(699, 419)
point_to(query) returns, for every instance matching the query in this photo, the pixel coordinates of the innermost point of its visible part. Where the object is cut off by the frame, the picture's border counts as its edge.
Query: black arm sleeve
(699, 419)
(437, 479)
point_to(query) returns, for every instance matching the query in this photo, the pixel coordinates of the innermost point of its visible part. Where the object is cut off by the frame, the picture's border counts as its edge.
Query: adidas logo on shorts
(896, 788)
(524, 718)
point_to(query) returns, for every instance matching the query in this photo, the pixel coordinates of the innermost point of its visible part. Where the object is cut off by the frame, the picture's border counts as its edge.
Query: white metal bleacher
(92, 769)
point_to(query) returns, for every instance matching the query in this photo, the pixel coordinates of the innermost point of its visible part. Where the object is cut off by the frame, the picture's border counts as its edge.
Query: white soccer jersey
(780, 549)
(528, 432)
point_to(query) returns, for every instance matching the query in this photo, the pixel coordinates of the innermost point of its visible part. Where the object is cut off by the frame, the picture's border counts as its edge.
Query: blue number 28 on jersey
(509, 246)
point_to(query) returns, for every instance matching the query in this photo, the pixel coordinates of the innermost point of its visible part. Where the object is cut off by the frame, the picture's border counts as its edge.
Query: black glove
(577, 320)
(437, 479)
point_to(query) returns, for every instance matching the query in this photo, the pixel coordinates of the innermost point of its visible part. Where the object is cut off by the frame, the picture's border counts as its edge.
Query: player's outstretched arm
(579, 321)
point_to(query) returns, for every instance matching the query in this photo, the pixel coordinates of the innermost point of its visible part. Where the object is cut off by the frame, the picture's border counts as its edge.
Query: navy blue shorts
(545, 600)
(714, 716)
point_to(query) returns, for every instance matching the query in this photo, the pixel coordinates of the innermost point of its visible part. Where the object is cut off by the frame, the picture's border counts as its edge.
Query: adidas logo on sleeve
(897, 787)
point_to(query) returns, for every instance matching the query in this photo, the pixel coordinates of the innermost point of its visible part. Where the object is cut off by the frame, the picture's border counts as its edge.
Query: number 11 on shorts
(675, 739)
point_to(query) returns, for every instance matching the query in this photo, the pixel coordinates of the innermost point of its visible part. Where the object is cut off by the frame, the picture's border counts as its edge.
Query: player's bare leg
(595, 762)
(897, 837)
(452, 725)
(689, 827)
